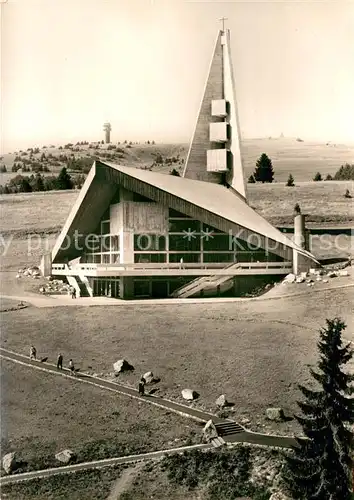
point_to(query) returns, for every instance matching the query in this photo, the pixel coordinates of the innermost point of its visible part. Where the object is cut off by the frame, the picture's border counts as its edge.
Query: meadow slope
(302, 159)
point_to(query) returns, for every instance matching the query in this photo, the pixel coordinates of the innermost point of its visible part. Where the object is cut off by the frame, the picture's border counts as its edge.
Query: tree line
(264, 172)
(39, 182)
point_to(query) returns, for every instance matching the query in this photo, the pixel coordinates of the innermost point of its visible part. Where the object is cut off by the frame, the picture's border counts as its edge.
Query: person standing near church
(142, 386)
(71, 367)
(60, 362)
(33, 352)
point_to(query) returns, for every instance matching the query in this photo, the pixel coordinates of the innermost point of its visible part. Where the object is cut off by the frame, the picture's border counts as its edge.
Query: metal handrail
(149, 265)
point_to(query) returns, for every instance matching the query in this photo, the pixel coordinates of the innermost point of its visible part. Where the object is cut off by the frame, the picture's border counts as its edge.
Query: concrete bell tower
(214, 154)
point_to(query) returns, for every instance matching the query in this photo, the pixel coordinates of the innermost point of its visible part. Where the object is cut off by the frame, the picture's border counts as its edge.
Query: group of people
(71, 366)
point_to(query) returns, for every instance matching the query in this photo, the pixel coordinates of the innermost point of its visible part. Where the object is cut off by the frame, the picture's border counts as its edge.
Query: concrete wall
(196, 162)
(145, 217)
(236, 176)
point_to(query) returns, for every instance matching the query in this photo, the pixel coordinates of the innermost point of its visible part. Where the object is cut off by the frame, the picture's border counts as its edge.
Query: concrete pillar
(126, 242)
(302, 239)
(300, 231)
(126, 287)
(46, 264)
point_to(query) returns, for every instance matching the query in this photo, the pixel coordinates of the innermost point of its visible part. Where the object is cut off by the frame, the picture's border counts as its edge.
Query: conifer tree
(290, 181)
(251, 180)
(320, 466)
(64, 180)
(297, 209)
(264, 169)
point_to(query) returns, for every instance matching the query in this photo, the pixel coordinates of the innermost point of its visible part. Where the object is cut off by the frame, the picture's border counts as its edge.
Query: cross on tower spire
(223, 19)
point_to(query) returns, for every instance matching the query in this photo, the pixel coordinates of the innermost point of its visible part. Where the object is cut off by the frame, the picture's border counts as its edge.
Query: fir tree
(320, 467)
(297, 209)
(318, 177)
(64, 180)
(38, 184)
(175, 172)
(290, 181)
(251, 180)
(264, 169)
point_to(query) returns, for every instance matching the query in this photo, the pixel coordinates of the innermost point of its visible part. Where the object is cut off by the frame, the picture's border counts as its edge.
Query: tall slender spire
(214, 154)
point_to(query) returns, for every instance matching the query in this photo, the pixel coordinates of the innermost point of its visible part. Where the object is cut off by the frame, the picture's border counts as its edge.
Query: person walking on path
(73, 293)
(71, 367)
(142, 386)
(60, 362)
(33, 352)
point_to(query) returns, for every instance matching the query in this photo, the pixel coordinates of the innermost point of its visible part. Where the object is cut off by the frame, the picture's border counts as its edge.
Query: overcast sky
(69, 66)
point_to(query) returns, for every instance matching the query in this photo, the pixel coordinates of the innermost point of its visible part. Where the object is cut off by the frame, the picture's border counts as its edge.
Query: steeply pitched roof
(214, 198)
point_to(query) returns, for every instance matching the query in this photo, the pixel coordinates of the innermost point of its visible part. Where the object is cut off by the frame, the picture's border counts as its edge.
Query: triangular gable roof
(213, 198)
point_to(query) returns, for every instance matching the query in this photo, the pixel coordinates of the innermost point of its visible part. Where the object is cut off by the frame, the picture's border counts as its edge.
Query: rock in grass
(275, 414)
(279, 495)
(221, 402)
(149, 377)
(209, 432)
(65, 456)
(9, 462)
(189, 394)
(122, 365)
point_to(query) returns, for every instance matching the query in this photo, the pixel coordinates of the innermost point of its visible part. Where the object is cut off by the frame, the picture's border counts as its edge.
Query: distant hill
(289, 155)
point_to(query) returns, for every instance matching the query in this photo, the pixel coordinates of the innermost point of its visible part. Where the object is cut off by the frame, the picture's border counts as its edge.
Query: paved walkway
(108, 462)
(65, 300)
(179, 408)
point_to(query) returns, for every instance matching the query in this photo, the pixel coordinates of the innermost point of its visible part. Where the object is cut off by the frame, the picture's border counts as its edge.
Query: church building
(134, 233)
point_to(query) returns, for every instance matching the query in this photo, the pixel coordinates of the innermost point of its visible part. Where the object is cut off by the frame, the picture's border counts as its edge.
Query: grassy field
(213, 348)
(86, 485)
(302, 159)
(30, 222)
(323, 201)
(43, 414)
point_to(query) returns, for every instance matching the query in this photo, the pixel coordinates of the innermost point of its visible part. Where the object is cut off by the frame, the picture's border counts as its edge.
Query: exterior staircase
(204, 283)
(79, 285)
(225, 429)
(216, 442)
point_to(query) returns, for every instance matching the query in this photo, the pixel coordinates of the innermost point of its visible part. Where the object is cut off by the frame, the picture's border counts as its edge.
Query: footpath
(242, 435)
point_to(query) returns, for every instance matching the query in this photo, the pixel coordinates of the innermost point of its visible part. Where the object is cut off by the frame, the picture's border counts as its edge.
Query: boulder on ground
(290, 278)
(149, 377)
(9, 462)
(189, 394)
(122, 365)
(343, 272)
(303, 274)
(221, 401)
(331, 274)
(300, 279)
(275, 414)
(209, 432)
(279, 495)
(325, 281)
(65, 456)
